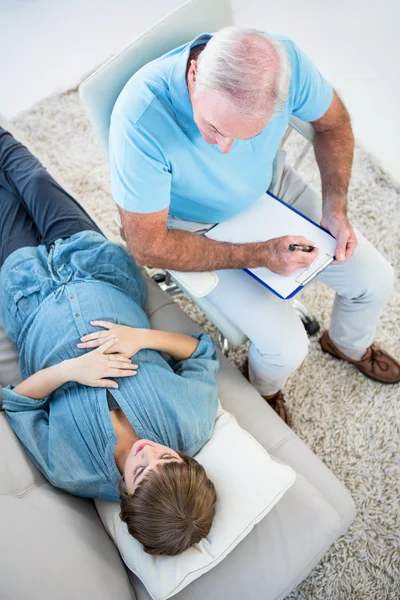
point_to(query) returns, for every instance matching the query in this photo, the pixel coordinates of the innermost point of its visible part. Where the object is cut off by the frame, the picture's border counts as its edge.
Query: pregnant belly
(64, 317)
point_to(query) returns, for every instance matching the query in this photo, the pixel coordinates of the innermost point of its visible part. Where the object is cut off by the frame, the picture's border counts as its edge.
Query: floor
(48, 46)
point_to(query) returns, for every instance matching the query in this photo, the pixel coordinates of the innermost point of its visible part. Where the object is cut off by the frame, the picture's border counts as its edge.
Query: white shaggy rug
(350, 422)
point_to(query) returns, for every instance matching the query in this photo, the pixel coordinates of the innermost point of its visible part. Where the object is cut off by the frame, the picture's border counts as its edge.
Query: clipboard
(268, 218)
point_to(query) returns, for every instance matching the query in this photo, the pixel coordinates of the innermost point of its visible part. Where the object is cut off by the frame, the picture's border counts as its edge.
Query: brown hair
(172, 508)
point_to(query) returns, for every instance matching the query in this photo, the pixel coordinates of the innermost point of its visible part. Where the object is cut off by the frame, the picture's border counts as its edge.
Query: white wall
(48, 45)
(356, 45)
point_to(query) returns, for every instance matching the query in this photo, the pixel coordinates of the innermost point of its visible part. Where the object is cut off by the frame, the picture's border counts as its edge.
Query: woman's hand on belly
(130, 339)
(95, 368)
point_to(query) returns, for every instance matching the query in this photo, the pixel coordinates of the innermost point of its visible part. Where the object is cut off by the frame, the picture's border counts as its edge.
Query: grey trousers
(279, 341)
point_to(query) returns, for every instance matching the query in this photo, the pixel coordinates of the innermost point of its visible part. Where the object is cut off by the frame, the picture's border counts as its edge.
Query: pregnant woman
(94, 422)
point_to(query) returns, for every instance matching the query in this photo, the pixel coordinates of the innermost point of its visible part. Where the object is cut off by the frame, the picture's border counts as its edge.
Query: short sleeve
(140, 174)
(311, 94)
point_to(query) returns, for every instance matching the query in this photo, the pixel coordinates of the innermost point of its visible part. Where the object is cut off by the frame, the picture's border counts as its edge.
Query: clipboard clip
(314, 269)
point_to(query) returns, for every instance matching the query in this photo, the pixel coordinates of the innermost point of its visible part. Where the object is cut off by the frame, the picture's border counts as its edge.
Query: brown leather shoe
(276, 401)
(246, 369)
(375, 364)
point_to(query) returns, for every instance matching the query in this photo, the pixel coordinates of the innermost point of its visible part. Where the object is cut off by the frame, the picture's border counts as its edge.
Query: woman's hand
(91, 368)
(130, 339)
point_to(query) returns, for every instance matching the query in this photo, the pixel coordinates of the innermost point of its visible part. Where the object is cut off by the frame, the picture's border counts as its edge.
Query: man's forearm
(186, 251)
(334, 154)
(44, 382)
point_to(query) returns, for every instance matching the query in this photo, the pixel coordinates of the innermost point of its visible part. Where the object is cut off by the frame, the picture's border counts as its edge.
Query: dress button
(72, 297)
(77, 315)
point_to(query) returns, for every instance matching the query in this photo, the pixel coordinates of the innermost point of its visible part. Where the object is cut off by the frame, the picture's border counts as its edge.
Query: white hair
(253, 75)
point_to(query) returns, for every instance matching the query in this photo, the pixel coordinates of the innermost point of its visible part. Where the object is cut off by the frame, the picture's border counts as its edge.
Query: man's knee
(287, 352)
(294, 352)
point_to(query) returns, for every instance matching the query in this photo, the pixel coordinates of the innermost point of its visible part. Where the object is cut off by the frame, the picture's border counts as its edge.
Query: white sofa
(53, 545)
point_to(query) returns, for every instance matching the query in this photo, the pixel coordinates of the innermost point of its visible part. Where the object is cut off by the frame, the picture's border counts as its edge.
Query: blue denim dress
(48, 299)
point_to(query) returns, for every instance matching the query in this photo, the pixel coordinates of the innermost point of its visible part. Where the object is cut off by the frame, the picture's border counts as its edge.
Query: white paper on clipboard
(270, 218)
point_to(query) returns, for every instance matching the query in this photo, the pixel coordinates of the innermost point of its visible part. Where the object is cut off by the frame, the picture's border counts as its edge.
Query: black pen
(302, 248)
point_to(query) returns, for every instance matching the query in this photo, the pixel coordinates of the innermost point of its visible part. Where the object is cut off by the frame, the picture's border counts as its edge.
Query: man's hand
(280, 259)
(130, 339)
(346, 241)
(91, 368)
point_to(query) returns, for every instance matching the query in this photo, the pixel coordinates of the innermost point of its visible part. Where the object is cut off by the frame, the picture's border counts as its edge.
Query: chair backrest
(100, 90)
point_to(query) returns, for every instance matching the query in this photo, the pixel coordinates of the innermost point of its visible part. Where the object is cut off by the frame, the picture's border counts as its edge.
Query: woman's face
(144, 457)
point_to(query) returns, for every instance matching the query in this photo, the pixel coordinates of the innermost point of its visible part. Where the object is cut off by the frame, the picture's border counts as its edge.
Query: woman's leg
(55, 213)
(17, 229)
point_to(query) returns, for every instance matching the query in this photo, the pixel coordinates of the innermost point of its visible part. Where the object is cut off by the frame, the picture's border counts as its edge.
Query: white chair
(100, 91)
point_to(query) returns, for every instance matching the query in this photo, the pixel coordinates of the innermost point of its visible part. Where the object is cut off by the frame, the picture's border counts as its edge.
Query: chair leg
(309, 321)
(223, 343)
(166, 284)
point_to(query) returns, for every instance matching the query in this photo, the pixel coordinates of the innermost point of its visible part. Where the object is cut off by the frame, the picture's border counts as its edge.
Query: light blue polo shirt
(159, 159)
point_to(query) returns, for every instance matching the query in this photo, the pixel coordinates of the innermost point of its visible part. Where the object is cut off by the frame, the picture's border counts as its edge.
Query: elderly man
(194, 141)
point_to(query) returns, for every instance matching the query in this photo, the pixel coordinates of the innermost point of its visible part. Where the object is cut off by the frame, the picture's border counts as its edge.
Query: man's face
(218, 121)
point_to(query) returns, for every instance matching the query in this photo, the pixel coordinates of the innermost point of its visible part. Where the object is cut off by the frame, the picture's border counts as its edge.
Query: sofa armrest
(53, 545)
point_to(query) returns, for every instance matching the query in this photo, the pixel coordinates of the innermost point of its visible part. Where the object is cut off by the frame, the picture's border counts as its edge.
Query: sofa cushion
(52, 544)
(17, 473)
(248, 484)
(277, 553)
(9, 369)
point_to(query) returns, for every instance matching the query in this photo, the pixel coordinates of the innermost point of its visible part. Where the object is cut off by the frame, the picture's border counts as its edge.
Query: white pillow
(248, 484)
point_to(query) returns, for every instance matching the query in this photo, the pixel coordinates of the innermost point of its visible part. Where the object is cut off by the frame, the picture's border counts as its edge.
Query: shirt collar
(178, 90)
